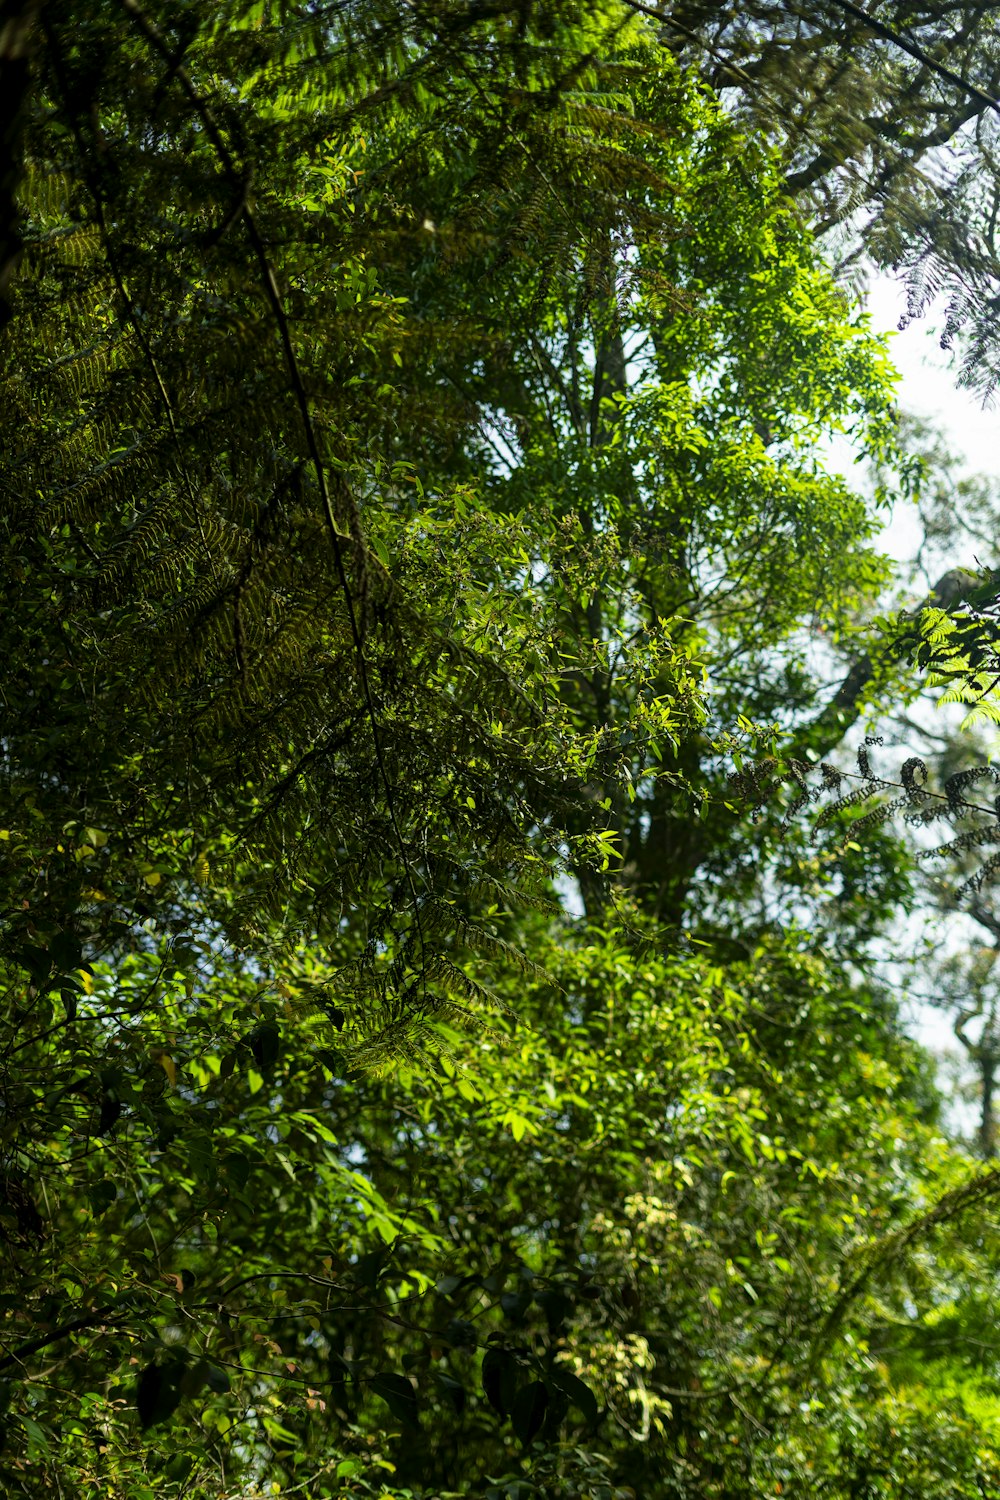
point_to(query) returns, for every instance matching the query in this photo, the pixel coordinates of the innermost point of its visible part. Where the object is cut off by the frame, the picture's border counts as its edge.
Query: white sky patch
(928, 388)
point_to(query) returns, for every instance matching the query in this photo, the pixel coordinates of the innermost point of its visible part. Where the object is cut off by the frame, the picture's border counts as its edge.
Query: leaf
(168, 1065)
(201, 1158)
(453, 1389)
(265, 1044)
(111, 1109)
(556, 1414)
(332, 1060)
(578, 1392)
(369, 1267)
(514, 1305)
(205, 1373)
(236, 1168)
(65, 951)
(101, 1196)
(530, 1405)
(39, 1444)
(499, 1377)
(556, 1306)
(37, 962)
(460, 1333)
(519, 1124)
(340, 1371)
(399, 1396)
(158, 1392)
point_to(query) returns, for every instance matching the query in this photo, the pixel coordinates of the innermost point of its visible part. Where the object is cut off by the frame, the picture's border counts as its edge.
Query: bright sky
(928, 385)
(928, 388)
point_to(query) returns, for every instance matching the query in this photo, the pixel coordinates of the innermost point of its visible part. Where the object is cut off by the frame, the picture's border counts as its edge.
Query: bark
(984, 1055)
(987, 1115)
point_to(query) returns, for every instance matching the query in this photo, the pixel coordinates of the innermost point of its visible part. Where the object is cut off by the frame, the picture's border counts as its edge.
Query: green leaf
(556, 1306)
(578, 1392)
(158, 1392)
(514, 1305)
(204, 1373)
(101, 1196)
(528, 1413)
(499, 1377)
(265, 1044)
(236, 1168)
(399, 1395)
(65, 951)
(453, 1389)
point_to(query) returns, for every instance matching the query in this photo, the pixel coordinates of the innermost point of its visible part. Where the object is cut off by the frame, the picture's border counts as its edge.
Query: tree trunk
(987, 1116)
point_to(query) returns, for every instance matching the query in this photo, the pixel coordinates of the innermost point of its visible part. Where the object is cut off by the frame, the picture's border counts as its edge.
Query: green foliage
(611, 1235)
(886, 119)
(265, 649)
(414, 425)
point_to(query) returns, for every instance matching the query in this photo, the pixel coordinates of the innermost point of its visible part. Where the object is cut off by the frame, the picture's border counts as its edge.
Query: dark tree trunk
(987, 1114)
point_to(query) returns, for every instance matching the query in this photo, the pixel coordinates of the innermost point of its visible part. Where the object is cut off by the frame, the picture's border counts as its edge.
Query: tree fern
(226, 635)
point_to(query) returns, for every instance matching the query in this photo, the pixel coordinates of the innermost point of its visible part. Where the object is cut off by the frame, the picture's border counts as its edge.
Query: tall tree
(415, 426)
(886, 115)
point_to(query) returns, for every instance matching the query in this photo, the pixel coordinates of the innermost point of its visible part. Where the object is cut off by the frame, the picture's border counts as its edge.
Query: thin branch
(891, 1246)
(889, 35)
(88, 1320)
(237, 180)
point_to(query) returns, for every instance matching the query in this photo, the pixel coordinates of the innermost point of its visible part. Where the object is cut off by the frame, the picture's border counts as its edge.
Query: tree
(638, 378)
(395, 530)
(196, 482)
(664, 1227)
(886, 117)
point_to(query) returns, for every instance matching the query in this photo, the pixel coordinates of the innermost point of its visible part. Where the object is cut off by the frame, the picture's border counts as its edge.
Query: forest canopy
(447, 1046)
